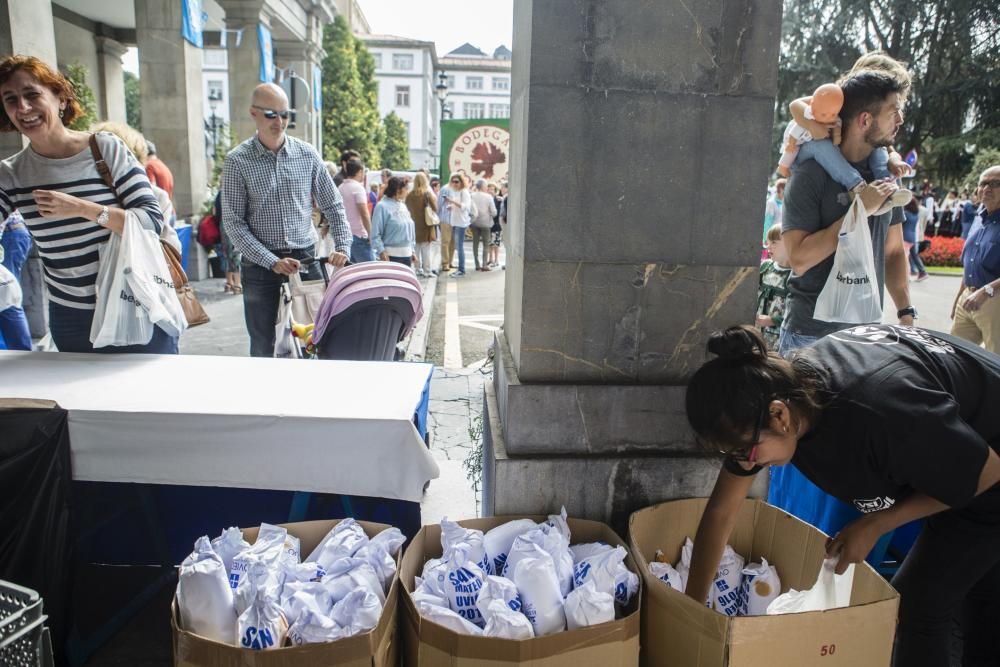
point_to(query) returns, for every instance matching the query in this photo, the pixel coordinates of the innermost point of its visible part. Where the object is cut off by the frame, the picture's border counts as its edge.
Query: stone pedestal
(639, 162)
(171, 88)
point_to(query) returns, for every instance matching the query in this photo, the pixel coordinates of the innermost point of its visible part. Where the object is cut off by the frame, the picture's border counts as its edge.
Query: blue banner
(317, 90)
(266, 54)
(192, 22)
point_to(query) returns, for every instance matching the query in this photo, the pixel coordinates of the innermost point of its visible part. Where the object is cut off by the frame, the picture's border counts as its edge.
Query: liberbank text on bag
(851, 293)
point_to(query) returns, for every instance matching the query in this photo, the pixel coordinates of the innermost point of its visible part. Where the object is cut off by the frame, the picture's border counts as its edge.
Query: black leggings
(952, 570)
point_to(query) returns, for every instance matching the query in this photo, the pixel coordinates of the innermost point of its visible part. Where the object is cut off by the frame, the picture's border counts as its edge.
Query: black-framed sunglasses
(271, 114)
(749, 454)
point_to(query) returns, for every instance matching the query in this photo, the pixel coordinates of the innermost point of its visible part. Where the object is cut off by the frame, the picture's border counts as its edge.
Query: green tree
(985, 158)
(396, 150)
(133, 104)
(950, 46)
(77, 76)
(350, 95)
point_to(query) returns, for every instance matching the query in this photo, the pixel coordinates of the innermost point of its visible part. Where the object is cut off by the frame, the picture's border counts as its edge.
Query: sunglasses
(749, 454)
(271, 114)
(994, 185)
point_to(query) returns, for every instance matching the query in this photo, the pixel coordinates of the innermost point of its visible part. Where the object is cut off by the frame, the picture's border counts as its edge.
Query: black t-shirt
(909, 410)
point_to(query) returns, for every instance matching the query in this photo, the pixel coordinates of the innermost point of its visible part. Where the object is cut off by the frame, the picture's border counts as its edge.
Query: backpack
(209, 234)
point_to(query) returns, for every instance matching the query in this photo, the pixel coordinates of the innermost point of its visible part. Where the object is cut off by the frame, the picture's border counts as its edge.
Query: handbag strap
(102, 166)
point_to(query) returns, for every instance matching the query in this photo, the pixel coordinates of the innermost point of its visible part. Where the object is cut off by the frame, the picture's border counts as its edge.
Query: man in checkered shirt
(269, 184)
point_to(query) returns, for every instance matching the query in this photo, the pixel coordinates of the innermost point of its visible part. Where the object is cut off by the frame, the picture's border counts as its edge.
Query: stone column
(171, 89)
(244, 61)
(112, 77)
(659, 116)
(25, 28)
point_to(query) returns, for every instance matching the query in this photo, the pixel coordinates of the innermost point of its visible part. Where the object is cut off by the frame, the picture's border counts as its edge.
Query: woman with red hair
(70, 212)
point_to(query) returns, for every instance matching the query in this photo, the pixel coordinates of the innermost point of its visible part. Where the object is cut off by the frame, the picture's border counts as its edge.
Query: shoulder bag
(193, 310)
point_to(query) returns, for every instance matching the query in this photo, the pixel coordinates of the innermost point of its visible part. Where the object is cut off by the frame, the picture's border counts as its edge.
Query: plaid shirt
(267, 200)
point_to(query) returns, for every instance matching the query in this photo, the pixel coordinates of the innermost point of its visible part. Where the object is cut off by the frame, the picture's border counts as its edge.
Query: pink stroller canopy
(368, 280)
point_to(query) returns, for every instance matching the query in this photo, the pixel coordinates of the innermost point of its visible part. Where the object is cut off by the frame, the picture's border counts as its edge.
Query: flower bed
(943, 251)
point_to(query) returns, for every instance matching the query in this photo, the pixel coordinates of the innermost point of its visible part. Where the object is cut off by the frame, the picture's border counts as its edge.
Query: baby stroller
(367, 309)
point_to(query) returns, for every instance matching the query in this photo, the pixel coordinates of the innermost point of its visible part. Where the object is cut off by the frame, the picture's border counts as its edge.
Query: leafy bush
(943, 251)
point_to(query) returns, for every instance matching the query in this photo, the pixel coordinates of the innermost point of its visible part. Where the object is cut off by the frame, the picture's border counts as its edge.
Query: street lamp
(442, 91)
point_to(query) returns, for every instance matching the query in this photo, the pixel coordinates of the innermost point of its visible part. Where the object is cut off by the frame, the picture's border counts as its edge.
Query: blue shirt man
(976, 310)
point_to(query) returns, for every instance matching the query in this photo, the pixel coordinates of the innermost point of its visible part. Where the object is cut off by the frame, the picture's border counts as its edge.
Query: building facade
(478, 84)
(405, 71)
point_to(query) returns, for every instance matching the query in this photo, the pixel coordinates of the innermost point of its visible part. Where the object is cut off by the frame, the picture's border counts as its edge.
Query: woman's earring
(784, 429)
(60, 113)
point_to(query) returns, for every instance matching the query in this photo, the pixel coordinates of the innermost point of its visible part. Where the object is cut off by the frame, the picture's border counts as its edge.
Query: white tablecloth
(325, 426)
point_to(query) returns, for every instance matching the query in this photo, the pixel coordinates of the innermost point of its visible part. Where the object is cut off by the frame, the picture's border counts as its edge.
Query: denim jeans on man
(361, 250)
(458, 234)
(833, 161)
(261, 291)
(70, 329)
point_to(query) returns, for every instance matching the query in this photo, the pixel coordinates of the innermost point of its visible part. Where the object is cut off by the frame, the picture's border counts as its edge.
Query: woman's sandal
(237, 289)
(228, 289)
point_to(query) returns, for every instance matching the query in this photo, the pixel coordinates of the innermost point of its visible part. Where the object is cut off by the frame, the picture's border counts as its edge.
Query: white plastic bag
(358, 612)
(10, 290)
(452, 534)
(760, 586)
(523, 547)
(541, 599)
(504, 623)
(204, 598)
(314, 628)
(309, 596)
(497, 589)
(267, 549)
(851, 293)
(342, 541)
(229, 543)
(587, 606)
(263, 625)
(588, 549)
(380, 554)
(118, 317)
(609, 573)
(449, 619)
(350, 574)
(464, 578)
(558, 523)
(498, 541)
(259, 578)
(554, 543)
(829, 592)
(726, 587)
(666, 573)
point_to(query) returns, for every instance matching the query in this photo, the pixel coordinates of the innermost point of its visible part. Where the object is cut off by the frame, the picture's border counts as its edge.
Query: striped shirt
(68, 247)
(267, 200)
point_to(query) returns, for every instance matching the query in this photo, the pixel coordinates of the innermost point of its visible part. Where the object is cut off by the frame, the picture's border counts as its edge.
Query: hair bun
(741, 343)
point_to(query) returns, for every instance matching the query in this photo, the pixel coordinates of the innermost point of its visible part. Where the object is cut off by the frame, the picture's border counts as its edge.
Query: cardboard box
(679, 632)
(427, 644)
(377, 648)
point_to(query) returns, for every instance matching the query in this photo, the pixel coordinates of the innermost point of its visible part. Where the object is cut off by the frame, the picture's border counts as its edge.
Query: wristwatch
(909, 310)
(102, 217)
(988, 288)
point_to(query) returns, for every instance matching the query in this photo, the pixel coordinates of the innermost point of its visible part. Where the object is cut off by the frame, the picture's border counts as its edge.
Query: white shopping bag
(10, 290)
(134, 289)
(851, 294)
(830, 591)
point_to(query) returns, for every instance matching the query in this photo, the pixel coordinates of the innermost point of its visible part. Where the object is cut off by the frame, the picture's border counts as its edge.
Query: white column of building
(171, 88)
(112, 77)
(25, 28)
(244, 61)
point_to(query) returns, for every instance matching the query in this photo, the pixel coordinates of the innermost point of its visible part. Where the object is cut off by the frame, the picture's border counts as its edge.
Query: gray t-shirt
(814, 201)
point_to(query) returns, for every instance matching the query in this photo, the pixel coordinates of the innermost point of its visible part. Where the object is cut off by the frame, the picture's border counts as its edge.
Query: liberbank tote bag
(851, 293)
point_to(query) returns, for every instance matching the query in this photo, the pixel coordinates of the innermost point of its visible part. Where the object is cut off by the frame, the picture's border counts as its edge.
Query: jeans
(458, 238)
(70, 328)
(480, 237)
(14, 332)
(789, 341)
(916, 264)
(837, 166)
(261, 291)
(16, 243)
(361, 250)
(952, 569)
